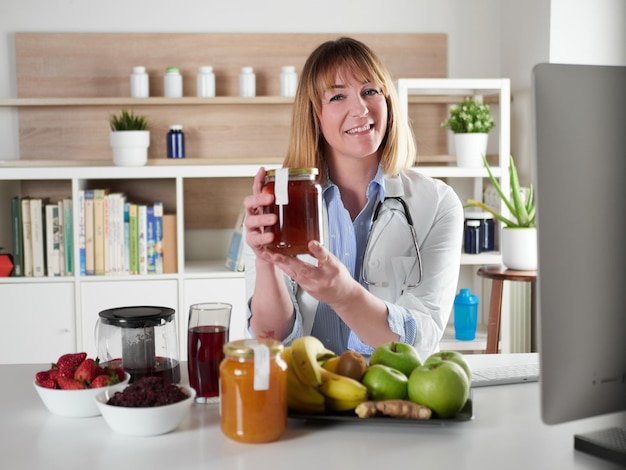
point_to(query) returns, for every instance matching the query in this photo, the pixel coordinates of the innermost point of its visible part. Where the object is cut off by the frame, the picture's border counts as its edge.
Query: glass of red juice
(207, 333)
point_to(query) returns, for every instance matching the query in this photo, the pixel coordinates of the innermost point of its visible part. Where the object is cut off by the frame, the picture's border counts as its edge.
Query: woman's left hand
(328, 282)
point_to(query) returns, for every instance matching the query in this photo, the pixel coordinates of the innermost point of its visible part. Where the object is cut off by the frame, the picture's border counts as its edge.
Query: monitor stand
(608, 444)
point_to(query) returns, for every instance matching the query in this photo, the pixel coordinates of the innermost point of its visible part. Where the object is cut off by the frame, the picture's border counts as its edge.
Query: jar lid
(473, 223)
(295, 172)
(176, 127)
(172, 70)
(478, 215)
(139, 69)
(206, 69)
(244, 348)
(137, 317)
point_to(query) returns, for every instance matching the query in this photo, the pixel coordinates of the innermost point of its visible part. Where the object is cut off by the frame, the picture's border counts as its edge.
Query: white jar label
(281, 194)
(261, 367)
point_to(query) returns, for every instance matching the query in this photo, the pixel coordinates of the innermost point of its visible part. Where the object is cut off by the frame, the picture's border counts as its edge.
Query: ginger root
(393, 408)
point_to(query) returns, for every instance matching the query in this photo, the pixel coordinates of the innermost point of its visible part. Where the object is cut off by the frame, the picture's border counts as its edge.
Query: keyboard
(503, 369)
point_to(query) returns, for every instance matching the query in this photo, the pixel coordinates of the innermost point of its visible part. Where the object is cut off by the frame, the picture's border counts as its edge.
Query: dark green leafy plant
(522, 208)
(128, 121)
(469, 117)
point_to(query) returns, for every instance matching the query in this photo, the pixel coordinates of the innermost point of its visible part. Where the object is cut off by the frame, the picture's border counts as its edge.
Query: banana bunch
(312, 388)
(300, 396)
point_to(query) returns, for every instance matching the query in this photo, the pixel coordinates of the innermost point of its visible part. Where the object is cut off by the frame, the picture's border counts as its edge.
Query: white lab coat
(437, 215)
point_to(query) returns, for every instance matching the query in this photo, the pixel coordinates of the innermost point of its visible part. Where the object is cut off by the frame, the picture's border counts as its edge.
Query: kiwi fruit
(351, 364)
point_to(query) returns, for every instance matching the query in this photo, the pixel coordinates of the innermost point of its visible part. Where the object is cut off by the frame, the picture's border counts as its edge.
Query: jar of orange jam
(253, 390)
(298, 206)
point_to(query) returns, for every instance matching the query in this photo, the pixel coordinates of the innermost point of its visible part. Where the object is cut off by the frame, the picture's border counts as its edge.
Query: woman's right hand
(256, 220)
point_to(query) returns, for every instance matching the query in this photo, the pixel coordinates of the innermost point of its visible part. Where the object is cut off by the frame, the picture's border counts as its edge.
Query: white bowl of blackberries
(149, 406)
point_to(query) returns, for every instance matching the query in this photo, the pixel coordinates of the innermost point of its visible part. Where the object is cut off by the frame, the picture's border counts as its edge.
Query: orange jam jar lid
(244, 348)
(303, 173)
(253, 390)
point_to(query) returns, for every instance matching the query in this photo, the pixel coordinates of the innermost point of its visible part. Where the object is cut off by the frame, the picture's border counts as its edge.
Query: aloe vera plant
(128, 121)
(522, 209)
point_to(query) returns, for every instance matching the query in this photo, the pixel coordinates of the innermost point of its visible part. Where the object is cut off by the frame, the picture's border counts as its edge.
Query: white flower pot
(469, 149)
(130, 148)
(519, 248)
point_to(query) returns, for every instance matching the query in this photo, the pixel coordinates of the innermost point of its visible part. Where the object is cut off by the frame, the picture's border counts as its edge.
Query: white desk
(506, 432)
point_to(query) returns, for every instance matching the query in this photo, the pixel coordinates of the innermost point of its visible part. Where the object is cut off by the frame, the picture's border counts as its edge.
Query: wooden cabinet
(38, 320)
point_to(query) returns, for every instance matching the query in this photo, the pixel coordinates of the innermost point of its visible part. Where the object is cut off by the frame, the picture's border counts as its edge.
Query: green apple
(453, 356)
(385, 383)
(441, 385)
(399, 356)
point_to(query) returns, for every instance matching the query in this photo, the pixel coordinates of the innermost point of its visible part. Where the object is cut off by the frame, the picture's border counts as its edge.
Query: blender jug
(142, 340)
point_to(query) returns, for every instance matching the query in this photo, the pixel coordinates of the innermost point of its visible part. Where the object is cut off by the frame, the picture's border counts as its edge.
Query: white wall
(588, 32)
(557, 31)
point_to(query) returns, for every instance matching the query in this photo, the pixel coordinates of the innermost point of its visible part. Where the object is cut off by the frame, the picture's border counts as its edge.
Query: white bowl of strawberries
(69, 387)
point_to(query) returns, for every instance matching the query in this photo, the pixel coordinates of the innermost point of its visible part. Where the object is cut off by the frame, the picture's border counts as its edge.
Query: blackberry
(148, 391)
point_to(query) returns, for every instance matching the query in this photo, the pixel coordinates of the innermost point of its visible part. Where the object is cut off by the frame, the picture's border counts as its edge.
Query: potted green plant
(129, 138)
(518, 242)
(470, 122)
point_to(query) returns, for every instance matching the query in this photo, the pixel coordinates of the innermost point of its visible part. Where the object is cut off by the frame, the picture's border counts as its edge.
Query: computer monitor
(580, 181)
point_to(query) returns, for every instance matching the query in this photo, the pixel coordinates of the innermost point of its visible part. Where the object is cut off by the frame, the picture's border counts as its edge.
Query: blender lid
(137, 317)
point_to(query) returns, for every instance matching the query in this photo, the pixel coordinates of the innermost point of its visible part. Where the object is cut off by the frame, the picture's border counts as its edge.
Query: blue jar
(465, 315)
(176, 142)
(471, 237)
(486, 228)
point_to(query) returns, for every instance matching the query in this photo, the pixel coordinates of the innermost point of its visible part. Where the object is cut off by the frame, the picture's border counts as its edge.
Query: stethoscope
(409, 223)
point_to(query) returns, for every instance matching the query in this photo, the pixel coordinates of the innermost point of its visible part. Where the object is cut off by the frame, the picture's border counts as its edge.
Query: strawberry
(68, 363)
(41, 376)
(121, 373)
(45, 379)
(103, 380)
(99, 369)
(70, 384)
(48, 383)
(115, 371)
(86, 371)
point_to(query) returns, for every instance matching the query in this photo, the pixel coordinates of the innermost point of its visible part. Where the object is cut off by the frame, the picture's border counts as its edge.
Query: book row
(115, 236)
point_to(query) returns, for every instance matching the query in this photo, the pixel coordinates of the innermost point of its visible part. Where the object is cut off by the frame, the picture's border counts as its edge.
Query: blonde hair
(306, 143)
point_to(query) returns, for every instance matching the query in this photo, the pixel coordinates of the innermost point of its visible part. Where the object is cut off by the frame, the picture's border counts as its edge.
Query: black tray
(465, 414)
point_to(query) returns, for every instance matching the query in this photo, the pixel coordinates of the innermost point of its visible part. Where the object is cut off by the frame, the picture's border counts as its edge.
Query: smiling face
(353, 118)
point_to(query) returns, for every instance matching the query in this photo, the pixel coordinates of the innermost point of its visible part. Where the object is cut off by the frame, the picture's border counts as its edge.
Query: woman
(347, 122)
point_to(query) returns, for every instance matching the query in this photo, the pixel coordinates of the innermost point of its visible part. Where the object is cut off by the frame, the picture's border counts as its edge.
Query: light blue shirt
(347, 241)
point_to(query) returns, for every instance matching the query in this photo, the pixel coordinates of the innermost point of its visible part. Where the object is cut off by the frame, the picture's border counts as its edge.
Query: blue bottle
(176, 142)
(465, 315)
(472, 240)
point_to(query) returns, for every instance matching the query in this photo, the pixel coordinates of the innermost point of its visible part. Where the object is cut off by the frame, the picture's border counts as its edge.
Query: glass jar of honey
(253, 391)
(298, 206)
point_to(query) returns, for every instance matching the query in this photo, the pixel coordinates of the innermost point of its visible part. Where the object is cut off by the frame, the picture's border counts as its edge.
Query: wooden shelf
(194, 101)
(153, 101)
